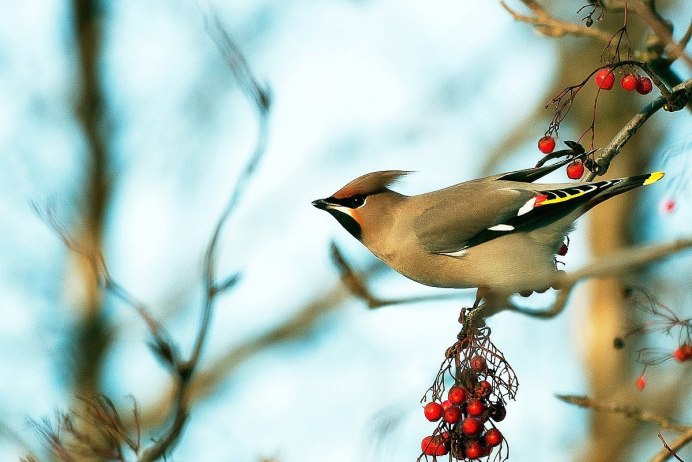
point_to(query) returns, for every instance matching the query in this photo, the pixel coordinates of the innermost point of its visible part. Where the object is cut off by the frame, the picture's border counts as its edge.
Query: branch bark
(613, 148)
(615, 263)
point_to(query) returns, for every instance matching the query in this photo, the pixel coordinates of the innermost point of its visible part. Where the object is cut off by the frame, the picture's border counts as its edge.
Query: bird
(499, 234)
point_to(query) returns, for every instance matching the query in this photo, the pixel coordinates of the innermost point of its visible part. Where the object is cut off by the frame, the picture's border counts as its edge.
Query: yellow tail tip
(654, 177)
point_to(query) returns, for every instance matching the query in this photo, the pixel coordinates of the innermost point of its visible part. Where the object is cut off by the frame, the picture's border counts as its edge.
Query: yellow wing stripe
(653, 178)
(562, 199)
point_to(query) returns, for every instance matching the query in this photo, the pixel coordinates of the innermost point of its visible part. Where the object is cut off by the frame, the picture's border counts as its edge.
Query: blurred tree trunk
(91, 339)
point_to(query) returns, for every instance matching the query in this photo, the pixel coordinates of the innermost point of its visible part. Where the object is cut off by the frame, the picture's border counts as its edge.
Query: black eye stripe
(351, 202)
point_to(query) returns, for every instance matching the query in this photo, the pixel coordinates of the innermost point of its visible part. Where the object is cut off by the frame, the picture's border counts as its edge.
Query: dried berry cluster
(657, 318)
(481, 381)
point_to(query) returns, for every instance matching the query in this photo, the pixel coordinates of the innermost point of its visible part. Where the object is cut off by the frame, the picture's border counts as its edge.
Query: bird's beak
(321, 204)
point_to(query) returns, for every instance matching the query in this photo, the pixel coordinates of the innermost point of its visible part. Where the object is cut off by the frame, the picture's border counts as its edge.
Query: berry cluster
(464, 415)
(467, 412)
(605, 79)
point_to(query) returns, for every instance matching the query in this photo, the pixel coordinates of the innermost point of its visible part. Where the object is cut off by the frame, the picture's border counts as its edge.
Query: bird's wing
(470, 216)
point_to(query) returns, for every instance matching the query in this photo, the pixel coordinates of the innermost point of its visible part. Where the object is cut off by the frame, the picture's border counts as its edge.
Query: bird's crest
(370, 183)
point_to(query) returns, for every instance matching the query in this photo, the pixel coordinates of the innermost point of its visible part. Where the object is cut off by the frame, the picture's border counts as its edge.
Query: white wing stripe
(501, 228)
(526, 208)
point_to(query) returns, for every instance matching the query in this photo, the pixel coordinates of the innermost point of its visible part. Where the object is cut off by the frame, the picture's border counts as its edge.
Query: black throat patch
(347, 222)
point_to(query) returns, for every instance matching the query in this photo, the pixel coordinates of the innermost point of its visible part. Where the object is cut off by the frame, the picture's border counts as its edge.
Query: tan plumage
(498, 233)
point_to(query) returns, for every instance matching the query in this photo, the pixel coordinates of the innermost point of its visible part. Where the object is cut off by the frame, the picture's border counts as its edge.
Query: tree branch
(670, 451)
(630, 412)
(641, 415)
(615, 263)
(212, 288)
(608, 153)
(357, 286)
(663, 31)
(221, 368)
(549, 25)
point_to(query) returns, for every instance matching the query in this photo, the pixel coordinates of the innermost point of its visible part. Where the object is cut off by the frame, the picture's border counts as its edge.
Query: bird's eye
(356, 201)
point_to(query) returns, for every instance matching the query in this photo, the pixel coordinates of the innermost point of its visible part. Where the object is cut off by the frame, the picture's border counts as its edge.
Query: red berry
(475, 407)
(498, 412)
(644, 85)
(473, 449)
(687, 349)
(493, 437)
(605, 78)
(563, 250)
(641, 383)
(679, 355)
(427, 446)
(434, 446)
(629, 82)
(433, 411)
(453, 415)
(483, 389)
(457, 394)
(546, 144)
(478, 363)
(667, 205)
(683, 352)
(575, 170)
(471, 426)
(446, 404)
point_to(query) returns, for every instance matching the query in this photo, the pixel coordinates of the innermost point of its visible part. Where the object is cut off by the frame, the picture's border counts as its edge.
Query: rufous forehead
(344, 192)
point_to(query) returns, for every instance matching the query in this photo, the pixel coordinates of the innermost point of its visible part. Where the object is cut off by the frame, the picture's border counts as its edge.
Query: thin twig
(547, 24)
(628, 411)
(670, 450)
(614, 263)
(97, 263)
(608, 153)
(679, 443)
(642, 415)
(663, 31)
(358, 287)
(291, 329)
(181, 403)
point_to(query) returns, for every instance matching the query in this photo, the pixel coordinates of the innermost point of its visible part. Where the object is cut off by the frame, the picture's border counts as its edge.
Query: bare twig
(547, 24)
(212, 288)
(94, 431)
(663, 31)
(165, 348)
(356, 284)
(671, 451)
(615, 263)
(221, 368)
(95, 260)
(641, 415)
(608, 153)
(628, 411)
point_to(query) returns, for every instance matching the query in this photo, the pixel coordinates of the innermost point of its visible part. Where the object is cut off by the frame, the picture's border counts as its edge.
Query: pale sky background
(358, 86)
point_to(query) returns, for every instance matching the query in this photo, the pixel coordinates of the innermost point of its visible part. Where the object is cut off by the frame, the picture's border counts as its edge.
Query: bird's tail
(622, 185)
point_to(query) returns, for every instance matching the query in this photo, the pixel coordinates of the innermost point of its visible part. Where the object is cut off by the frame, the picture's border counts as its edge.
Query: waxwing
(499, 234)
